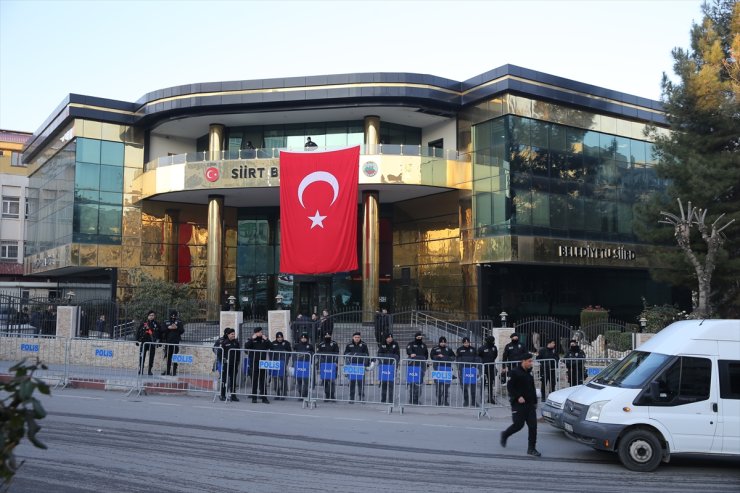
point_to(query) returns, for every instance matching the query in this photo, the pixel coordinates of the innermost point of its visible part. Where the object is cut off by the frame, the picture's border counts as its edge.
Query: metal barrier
(441, 384)
(353, 378)
(576, 371)
(101, 364)
(50, 350)
(273, 374)
(180, 368)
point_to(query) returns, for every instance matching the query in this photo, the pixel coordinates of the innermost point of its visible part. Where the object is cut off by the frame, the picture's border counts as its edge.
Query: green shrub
(618, 341)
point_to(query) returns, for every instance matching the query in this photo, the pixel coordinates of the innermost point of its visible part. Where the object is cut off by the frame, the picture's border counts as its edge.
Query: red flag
(318, 211)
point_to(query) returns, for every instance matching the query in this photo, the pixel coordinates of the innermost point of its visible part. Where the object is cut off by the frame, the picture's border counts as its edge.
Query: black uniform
(148, 332)
(259, 351)
(356, 354)
(171, 334)
(442, 354)
(488, 353)
(388, 350)
(229, 366)
(548, 359)
(521, 384)
(513, 352)
(575, 364)
(329, 351)
(305, 350)
(281, 353)
(417, 350)
(467, 355)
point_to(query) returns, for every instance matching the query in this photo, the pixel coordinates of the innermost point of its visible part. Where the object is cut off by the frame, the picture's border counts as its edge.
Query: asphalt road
(104, 441)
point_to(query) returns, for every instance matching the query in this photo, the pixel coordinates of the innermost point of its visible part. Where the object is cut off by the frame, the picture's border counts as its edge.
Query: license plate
(547, 414)
(568, 427)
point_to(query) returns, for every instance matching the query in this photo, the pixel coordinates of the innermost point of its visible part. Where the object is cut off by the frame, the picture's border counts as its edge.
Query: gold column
(215, 141)
(215, 248)
(171, 217)
(370, 255)
(372, 134)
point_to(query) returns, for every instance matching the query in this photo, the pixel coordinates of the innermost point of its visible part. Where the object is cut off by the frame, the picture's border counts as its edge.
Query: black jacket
(174, 335)
(231, 356)
(488, 353)
(467, 355)
(305, 351)
(260, 347)
(545, 355)
(331, 349)
(360, 349)
(574, 361)
(417, 348)
(521, 384)
(279, 351)
(391, 350)
(442, 354)
(148, 331)
(514, 351)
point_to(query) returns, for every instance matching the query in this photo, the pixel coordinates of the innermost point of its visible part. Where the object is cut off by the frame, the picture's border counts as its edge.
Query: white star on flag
(317, 220)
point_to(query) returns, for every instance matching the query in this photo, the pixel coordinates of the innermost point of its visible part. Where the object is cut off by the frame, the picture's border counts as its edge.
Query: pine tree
(699, 158)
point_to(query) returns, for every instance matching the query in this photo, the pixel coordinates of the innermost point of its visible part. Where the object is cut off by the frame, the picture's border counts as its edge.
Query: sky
(125, 49)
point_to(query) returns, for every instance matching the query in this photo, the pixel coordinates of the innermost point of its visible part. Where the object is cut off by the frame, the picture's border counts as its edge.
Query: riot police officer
(416, 350)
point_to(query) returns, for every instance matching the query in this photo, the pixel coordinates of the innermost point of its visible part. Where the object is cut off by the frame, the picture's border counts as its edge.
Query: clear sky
(124, 49)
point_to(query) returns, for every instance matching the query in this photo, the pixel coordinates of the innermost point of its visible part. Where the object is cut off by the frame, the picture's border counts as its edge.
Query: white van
(677, 393)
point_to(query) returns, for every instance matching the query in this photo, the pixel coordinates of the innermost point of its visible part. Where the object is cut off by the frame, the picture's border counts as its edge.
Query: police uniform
(488, 353)
(523, 399)
(442, 354)
(229, 364)
(388, 350)
(417, 351)
(329, 351)
(259, 347)
(305, 350)
(280, 381)
(467, 355)
(360, 351)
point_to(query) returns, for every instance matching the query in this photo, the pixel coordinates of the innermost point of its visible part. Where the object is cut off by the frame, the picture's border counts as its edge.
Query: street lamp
(503, 316)
(643, 324)
(232, 303)
(70, 295)
(279, 301)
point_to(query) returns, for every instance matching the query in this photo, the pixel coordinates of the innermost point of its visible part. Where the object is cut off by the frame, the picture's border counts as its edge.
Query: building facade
(512, 191)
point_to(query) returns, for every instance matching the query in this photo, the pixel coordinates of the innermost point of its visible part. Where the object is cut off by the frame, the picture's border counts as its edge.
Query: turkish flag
(318, 211)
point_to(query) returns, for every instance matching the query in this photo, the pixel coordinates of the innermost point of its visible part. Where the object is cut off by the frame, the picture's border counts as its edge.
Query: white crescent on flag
(315, 177)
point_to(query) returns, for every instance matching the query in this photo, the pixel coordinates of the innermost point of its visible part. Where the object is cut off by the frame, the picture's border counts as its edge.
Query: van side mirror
(655, 391)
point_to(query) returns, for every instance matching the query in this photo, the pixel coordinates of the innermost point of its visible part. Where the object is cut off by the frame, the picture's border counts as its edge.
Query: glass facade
(51, 202)
(533, 177)
(98, 191)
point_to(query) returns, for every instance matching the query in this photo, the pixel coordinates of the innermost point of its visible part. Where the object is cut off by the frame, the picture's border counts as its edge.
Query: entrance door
(313, 295)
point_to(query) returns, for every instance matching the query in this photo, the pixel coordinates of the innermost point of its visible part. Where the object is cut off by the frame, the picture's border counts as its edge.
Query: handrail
(423, 319)
(274, 153)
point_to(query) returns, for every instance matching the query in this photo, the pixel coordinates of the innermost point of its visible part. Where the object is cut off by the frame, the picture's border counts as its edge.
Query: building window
(15, 159)
(8, 251)
(11, 207)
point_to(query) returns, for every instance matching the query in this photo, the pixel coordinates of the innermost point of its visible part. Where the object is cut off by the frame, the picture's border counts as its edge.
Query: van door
(682, 398)
(729, 402)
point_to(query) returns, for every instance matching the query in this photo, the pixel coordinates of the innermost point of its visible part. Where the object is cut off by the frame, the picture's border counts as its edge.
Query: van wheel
(640, 450)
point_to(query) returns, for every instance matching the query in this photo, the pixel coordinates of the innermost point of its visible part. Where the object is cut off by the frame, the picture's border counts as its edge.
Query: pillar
(171, 218)
(372, 134)
(215, 249)
(215, 141)
(370, 254)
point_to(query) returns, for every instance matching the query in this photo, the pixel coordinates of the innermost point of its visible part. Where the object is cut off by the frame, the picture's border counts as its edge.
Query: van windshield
(633, 371)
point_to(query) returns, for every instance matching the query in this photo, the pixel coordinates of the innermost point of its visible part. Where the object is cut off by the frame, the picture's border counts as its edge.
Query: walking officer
(523, 397)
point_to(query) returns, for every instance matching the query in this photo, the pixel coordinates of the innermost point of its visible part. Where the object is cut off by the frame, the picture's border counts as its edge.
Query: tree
(19, 411)
(699, 158)
(160, 295)
(682, 226)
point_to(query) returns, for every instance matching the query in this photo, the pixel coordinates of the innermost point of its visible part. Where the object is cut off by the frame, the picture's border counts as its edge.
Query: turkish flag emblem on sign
(318, 211)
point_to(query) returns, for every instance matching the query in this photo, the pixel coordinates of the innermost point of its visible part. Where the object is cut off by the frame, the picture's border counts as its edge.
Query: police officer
(575, 363)
(281, 349)
(416, 350)
(171, 334)
(514, 352)
(488, 353)
(356, 353)
(258, 346)
(389, 349)
(523, 399)
(441, 354)
(549, 359)
(467, 354)
(304, 350)
(148, 332)
(329, 351)
(229, 363)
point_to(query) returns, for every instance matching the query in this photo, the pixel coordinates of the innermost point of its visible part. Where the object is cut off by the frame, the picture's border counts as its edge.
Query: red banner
(318, 211)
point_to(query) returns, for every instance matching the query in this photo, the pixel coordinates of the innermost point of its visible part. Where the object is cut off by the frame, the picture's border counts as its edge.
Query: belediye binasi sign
(618, 253)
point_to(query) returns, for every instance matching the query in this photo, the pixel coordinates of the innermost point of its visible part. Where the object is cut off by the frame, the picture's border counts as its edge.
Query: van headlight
(594, 410)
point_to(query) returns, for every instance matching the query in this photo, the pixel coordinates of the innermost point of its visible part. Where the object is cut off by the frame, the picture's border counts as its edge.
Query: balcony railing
(274, 153)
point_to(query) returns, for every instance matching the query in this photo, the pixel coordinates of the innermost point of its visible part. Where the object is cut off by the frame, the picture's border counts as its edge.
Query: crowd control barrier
(266, 375)
(448, 384)
(178, 368)
(102, 364)
(50, 350)
(352, 379)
